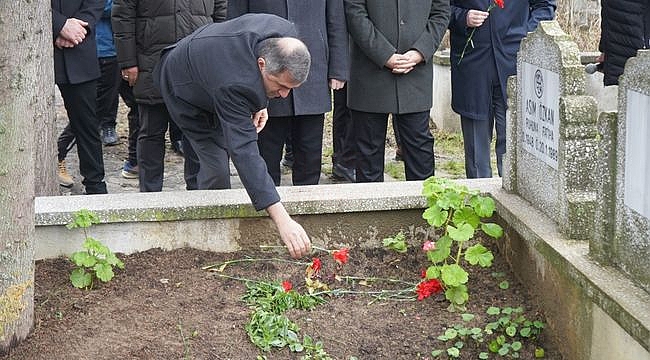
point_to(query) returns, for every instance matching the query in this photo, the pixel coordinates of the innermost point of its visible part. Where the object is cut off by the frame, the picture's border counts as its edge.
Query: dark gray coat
(321, 26)
(381, 28)
(142, 28)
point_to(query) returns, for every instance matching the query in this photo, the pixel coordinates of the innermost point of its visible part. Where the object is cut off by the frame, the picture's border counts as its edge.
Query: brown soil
(165, 306)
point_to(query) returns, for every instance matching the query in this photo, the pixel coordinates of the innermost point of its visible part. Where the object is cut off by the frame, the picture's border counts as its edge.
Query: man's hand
(292, 233)
(259, 119)
(475, 18)
(336, 84)
(403, 63)
(130, 75)
(63, 43)
(74, 30)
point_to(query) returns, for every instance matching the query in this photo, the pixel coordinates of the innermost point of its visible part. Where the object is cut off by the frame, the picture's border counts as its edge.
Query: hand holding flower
(476, 18)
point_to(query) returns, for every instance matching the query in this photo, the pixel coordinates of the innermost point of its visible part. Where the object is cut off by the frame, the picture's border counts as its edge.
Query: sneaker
(129, 171)
(109, 137)
(65, 179)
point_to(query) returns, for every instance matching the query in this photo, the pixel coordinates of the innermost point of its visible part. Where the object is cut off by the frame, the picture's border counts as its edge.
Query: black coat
(321, 26)
(625, 28)
(142, 28)
(78, 64)
(496, 43)
(229, 84)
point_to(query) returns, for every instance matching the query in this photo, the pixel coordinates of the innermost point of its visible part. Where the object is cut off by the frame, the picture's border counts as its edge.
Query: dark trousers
(154, 121)
(477, 137)
(80, 101)
(415, 137)
(306, 144)
(207, 164)
(108, 87)
(126, 92)
(342, 131)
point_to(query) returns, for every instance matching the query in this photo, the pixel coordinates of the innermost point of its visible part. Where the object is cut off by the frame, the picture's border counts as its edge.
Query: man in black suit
(216, 84)
(76, 71)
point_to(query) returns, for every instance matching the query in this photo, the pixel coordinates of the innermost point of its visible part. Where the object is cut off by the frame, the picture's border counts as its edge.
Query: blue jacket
(104, 33)
(496, 43)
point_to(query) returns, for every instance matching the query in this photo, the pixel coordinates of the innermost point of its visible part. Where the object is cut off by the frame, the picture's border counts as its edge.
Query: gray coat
(378, 33)
(142, 28)
(321, 26)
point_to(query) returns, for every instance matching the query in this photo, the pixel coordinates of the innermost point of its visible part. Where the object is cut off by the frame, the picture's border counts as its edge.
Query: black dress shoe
(340, 172)
(177, 146)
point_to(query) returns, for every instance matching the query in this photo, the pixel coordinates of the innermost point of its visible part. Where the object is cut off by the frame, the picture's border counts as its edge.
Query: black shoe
(109, 137)
(342, 173)
(287, 161)
(177, 146)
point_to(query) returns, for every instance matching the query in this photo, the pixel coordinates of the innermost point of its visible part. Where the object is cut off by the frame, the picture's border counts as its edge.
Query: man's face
(278, 85)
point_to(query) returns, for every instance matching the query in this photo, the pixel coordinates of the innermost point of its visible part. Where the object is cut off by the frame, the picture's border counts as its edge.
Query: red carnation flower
(316, 264)
(341, 256)
(286, 285)
(427, 288)
(499, 3)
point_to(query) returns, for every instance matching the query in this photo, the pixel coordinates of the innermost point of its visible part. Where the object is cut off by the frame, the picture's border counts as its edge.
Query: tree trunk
(26, 96)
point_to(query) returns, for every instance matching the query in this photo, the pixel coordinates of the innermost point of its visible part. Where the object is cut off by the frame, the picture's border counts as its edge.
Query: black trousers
(415, 137)
(126, 92)
(154, 121)
(306, 144)
(80, 101)
(342, 131)
(108, 86)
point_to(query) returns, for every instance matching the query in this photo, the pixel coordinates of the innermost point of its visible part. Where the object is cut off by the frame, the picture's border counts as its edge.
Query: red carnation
(286, 285)
(499, 3)
(427, 288)
(341, 256)
(316, 264)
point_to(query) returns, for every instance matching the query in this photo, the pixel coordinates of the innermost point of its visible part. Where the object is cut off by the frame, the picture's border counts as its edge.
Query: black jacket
(229, 84)
(624, 29)
(78, 64)
(142, 28)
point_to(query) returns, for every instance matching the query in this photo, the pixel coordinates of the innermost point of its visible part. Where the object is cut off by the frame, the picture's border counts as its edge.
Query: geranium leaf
(493, 230)
(463, 233)
(483, 206)
(433, 272)
(104, 272)
(435, 216)
(479, 254)
(453, 275)
(466, 215)
(80, 278)
(457, 295)
(442, 250)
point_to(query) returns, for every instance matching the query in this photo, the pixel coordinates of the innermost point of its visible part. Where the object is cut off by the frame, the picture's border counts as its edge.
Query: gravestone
(625, 178)
(551, 129)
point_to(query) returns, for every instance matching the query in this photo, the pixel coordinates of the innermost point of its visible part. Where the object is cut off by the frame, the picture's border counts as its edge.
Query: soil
(165, 306)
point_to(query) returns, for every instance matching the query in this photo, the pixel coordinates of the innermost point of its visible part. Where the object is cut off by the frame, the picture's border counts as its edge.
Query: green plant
(457, 211)
(95, 261)
(397, 243)
(504, 335)
(268, 327)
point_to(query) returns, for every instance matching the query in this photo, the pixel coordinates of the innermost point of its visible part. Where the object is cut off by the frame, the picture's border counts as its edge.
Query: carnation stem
(398, 281)
(469, 39)
(223, 265)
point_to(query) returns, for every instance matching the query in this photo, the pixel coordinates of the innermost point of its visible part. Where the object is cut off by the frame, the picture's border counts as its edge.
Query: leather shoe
(340, 172)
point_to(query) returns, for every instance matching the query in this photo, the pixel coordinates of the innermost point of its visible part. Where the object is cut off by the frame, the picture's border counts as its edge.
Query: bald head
(286, 54)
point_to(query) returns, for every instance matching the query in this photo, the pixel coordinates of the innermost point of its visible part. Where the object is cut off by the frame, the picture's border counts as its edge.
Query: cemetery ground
(165, 305)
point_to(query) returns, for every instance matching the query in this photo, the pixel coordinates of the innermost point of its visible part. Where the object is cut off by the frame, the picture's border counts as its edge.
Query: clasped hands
(404, 63)
(72, 34)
